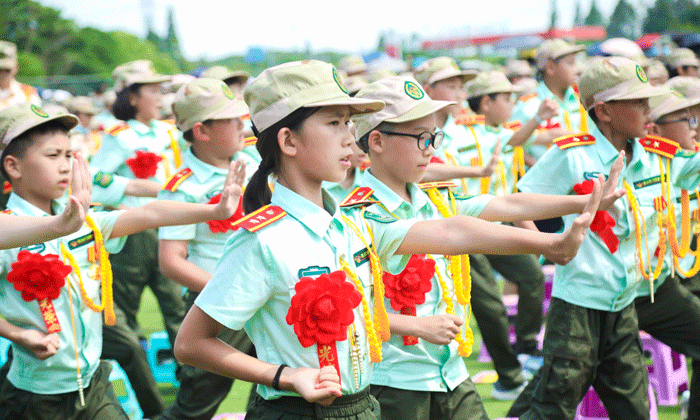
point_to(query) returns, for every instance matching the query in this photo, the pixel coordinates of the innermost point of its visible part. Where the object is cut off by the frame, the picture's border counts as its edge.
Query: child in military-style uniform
(209, 115)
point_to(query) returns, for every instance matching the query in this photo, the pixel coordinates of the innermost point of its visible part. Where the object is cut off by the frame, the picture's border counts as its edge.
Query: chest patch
(83, 240)
(313, 271)
(648, 182)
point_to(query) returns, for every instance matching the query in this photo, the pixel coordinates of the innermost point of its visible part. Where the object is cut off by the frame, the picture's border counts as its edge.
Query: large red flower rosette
(602, 222)
(408, 288)
(144, 164)
(40, 277)
(321, 311)
(221, 226)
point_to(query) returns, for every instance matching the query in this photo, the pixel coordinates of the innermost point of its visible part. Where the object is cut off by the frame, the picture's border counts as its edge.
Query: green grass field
(152, 321)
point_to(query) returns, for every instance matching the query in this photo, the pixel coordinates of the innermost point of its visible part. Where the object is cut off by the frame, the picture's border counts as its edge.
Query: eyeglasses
(425, 139)
(692, 122)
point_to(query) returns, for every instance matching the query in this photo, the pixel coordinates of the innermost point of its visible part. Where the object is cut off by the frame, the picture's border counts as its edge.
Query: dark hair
(475, 102)
(18, 146)
(593, 115)
(122, 108)
(363, 142)
(257, 192)
(189, 134)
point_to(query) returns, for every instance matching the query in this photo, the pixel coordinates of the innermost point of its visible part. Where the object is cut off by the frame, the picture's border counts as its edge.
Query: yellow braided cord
(166, 166)
(584, 120)
(567, 120)
(502, 177)
(177, 157)
(375, 347)
(518, 168)
(464, 348)
(105, 272)
(485, 181)
(453, 161)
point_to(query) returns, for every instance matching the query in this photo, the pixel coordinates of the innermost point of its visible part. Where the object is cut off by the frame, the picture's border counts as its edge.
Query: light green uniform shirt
(57, 374)
(595, 278)
(115, 150)
(205, 247)
(337, 190)
(527, 109)
(424, 366)
(107, 189)
(253, 283)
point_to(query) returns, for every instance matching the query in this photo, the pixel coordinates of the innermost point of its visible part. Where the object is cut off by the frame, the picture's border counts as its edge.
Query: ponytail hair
(257, 193)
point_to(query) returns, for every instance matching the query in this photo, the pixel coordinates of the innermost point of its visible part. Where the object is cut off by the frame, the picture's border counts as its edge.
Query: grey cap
(16, 120)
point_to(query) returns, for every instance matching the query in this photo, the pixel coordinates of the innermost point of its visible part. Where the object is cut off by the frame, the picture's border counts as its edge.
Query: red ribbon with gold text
(40, 277)
(321, 311)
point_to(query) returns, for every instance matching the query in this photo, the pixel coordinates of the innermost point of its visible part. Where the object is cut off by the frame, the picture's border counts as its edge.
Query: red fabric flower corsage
(40, 277)
(144, 164)
(321, 311)
(408, 288)
(602, 222)
(221, 226)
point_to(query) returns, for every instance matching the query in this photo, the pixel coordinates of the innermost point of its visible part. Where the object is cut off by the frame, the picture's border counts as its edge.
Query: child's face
(451, 89)
(44, 172)
(676, 126)
(629, 117)
(226, 136)
(148, 101)
(324, 146)
(566, 69)
(500, 109)
(85, 119)
(401, 157)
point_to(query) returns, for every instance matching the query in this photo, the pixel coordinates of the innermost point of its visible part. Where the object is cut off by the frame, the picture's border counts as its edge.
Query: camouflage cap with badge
(441, 68)
(82, 105)
(17, 120)
(613, 79)
(280, 90)
(553, 49)
(687, 86)
(223, 73)
(136, 72)
(683, 57)
(405, 101)
(206, 99)
(8, 55)
(669, 102)
(490, 82)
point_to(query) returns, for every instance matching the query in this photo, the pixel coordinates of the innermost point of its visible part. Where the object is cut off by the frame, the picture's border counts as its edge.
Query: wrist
(284, 381)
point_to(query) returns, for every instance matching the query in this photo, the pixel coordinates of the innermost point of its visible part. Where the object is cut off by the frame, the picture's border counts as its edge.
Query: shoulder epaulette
(526, 98)
(117, 129)
(359, 196)
(660, 146)
(249, 141)
(470, 120)
(429, 185)
(6, 187)
(245, 117)
(177, 179)
(6, 211)
(513, 125)
(264, 216)
(576, 140)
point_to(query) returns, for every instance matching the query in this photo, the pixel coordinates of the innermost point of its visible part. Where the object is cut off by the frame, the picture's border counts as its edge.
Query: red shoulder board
(245, 117)
(117, 129)
(249, 141)
(526, 98)
(358, 196)
(260, 218)
(175, 181)
(576, 140)
(660, 146)
(429, 185)
(6, 212)
(470, 120)
(6, 187)
(513, 125)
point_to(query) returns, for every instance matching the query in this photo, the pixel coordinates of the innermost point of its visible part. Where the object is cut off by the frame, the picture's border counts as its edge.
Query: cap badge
(640, 73)
(228, 92)
(336, 77)
(413, 90)
(38, 111)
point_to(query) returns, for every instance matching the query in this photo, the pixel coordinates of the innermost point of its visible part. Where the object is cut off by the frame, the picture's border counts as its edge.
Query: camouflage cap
(355, 83)
(223, 73)
(613, 79)
(206, 99)
(16, 120)
(553, 49)
(683, 57)
(687, 86)
(82, 105)
(516, 68)
(490, 82)
(8, 55)
(655, 69)
(669, 102)
(405, 101)
(281, 90)
(441, 68)
(352, 64)
(136, 72)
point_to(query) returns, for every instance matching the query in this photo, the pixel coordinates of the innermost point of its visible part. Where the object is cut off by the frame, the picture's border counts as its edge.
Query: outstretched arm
(172, 259)
(197, 345)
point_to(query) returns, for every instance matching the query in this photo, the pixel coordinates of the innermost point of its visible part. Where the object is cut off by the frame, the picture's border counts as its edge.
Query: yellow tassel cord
(459, 268)
(166, 166)
(502, 177)
(464, 348)
(375, 346)
(105, 275)
(485, 181)
(453, 162)
(79, 376)
(648, 275)
(518, 167)
(685, 246)
(177, 157)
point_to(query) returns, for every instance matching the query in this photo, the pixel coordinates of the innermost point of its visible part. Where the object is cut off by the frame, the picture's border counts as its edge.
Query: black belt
(346, 405)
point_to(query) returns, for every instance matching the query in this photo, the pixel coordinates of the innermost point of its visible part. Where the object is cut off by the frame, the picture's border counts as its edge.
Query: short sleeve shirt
(107, 189)
(57, 374)
(253, 284)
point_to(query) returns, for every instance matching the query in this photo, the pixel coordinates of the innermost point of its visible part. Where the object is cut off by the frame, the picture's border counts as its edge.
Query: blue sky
(213, 29)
